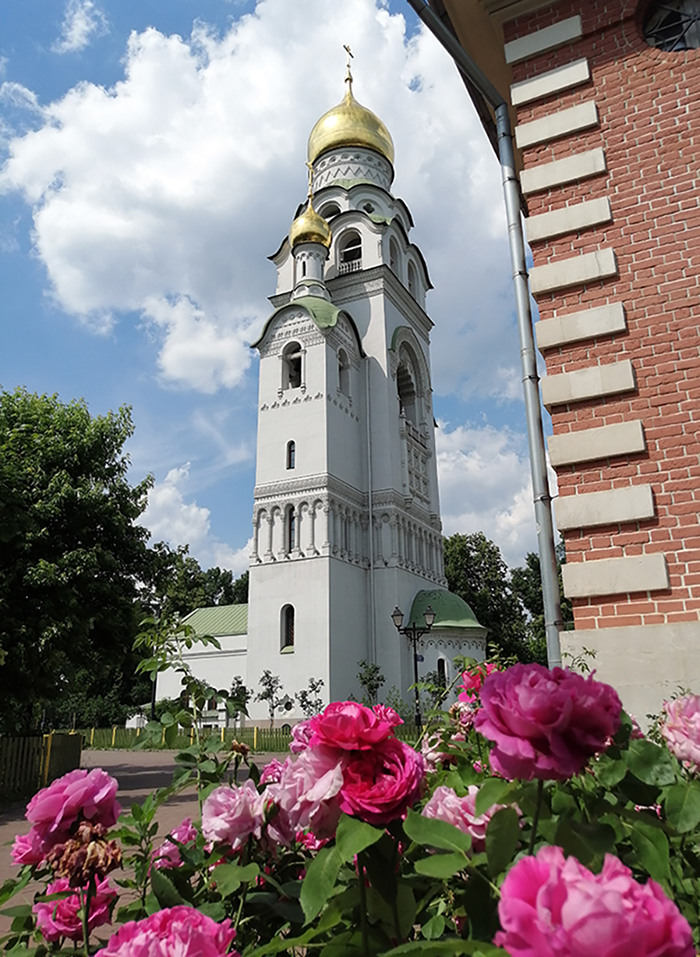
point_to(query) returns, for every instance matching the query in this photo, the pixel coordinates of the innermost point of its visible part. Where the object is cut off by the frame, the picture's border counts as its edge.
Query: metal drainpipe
(533, 415)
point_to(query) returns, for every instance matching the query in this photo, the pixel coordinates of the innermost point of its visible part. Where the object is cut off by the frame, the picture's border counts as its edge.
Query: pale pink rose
(380, 785)
(307, 794)
(473, 680)
(350, 726)
(173, 932)
(432, 750)
(272, 772)
(28, 848)
(552, 907)
(60, 918)
(445, 805)
(230, 815)
(636, 733)
(78, 795)
(680, 728)
(545, 724)
(168, 854)
(301, 737)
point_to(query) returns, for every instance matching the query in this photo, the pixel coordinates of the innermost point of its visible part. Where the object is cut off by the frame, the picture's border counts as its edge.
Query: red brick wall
(649, 107)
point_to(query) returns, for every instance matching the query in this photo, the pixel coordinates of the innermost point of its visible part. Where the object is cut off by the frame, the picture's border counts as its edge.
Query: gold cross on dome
(351, 56)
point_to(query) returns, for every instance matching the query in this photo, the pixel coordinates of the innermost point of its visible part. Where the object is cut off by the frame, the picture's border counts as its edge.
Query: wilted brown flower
(238, 747)
(85, 855)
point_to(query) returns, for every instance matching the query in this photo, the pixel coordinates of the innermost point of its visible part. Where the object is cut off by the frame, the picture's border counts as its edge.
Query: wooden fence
(27, 764)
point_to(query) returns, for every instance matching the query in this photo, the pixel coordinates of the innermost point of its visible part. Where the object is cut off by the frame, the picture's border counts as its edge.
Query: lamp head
(397, 616)
(429, 616)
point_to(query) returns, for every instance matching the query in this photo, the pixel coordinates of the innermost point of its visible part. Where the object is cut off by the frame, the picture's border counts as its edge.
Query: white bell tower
(346, 517)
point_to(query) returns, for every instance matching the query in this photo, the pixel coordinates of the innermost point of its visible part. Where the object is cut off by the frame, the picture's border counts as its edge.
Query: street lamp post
(413, 633)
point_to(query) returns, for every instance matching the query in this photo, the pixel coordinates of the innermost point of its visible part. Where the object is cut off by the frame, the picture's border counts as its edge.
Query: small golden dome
(350, 124)
(309, 227)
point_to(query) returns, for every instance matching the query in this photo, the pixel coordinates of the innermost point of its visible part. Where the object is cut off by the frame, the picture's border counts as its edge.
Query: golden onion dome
(350, 124)
(310, 227)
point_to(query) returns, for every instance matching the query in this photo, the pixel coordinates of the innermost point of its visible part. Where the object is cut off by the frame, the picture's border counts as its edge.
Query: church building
(346, 521)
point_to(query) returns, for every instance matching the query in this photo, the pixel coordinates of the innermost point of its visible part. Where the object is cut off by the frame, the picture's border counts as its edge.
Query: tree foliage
(70, 553)
(526, 582)
(176, 584)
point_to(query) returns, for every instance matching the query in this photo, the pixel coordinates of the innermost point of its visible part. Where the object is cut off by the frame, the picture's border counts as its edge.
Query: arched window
(291, 455)
(394, 256)
(407, 393)
(330, 210)
(412, 280)
(290, 530)
(673, 25)
(441, 673)
(291, 366)
(350, 253)
(343, 372)
(287, 628)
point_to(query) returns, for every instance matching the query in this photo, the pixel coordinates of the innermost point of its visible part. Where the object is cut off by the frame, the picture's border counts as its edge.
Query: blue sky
(153, 157)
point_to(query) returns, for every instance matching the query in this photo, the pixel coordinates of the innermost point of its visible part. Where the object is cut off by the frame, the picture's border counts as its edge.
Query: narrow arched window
(412, 280)
(330, 210)
(394, 256)
(291, 366)
(290, 530)
(441, 673)
(287, 628)
(343, 372)
(350, 253)
(291, 455)
(407, 393)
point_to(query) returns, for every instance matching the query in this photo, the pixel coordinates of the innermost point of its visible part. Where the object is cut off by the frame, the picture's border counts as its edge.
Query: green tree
(176, 584)
(527, 586)
(370, 679)
(475, 570)
(271, 685)
(310, 700)
(71, 554)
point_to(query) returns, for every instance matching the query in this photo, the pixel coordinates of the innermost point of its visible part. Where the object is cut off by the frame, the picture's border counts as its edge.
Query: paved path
(138, 773)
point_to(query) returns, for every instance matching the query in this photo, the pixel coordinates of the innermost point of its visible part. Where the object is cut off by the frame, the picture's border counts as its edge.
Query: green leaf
(682, 805)
(405, 909)
(164, 889)
(609, 771)
(353, 836)
(442, 866)
(167, 719)
(21, 910)
(433, 833)
(229, 877)
(454, 945)
(320, 880)
(491, 792)
(502, 837)
(651, 845)
(434, 928)
(650, 763)
(587, 842)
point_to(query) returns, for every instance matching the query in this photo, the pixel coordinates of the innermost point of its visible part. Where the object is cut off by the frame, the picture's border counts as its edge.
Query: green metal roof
(323, 313)
(219, 620)
(451, 611)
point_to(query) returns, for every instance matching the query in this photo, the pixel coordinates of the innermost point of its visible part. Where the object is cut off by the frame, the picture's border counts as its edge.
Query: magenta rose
(306, 794)
(168, 854)
(545, 724)
(28, 848)
(351, 726)
(680, 728)
(380, 785)
(78, 795)
(230, 815)
(60, 918)
(473, 680)
(554, 907)
(272, 772)
(445, 805)
(181, 931)
(301, 736)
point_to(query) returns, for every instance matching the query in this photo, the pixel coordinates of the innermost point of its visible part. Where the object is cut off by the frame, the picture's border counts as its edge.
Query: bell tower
(346, 521)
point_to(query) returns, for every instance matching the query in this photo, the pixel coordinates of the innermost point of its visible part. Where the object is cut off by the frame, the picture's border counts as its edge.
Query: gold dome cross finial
(311, 180)
(351, 56)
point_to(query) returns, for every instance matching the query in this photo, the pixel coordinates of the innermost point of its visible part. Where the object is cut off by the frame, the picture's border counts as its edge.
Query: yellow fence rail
(30, 763)
(263, 740)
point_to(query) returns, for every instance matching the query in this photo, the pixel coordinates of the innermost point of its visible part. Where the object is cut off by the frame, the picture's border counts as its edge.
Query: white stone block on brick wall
(586, 324)
(592, 383)
(570, 219)
(540, 40)
(561, 123)
(602, 442)
(567, 170)
(553, 81)
(613, 507)
(573, 271)
(615, 576)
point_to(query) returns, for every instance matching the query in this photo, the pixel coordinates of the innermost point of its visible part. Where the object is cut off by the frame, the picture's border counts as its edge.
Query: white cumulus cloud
(82, 20)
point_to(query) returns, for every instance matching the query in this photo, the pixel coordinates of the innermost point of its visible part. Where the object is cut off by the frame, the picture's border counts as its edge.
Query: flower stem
(536, 818)
(363, 907)
(85, 897)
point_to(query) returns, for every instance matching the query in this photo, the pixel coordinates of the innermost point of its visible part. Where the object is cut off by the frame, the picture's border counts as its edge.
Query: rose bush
(60, 918)
(680, 728)
(446, 805)
(172, 932)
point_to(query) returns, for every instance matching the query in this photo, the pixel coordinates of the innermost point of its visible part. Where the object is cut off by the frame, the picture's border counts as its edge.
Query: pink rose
(60, 918)
(301, 736)
(168, 854)
(545, 724)
(28, 848)
(181, 931)
(680, 728)
(380, 785)
(230, 814)
(78, 795)
(350, 726)
(473, 680)
(272, 772)
(445, 805)
(307, 794)
(552, 907)
(385, 713)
